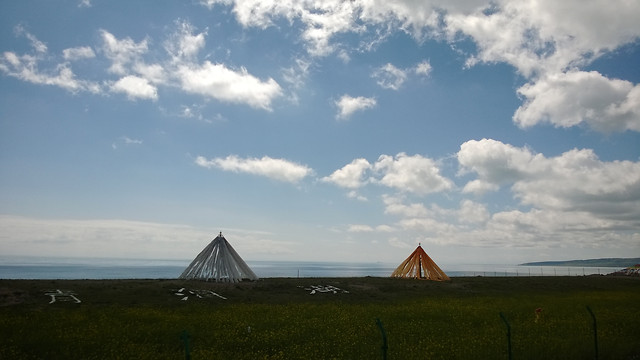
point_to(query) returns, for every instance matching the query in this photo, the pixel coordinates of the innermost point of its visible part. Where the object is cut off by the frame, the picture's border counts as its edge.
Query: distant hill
(606, 262)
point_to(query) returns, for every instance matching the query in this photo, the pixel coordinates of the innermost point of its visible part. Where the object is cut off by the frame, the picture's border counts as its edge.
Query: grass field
(280, 319)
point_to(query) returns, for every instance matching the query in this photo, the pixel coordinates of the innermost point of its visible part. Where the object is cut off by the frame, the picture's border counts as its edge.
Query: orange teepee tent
(419, 266)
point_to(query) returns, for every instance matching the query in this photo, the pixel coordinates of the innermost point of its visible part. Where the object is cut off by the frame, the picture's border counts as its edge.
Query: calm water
(38, 268)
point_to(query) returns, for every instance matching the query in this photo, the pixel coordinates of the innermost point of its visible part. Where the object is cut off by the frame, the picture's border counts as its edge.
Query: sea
(73, 268)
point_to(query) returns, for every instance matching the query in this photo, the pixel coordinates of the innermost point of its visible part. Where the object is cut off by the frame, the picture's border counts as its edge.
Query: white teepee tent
(218, 261)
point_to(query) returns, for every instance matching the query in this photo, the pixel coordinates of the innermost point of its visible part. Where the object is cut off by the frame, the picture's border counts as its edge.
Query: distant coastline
(604, 262)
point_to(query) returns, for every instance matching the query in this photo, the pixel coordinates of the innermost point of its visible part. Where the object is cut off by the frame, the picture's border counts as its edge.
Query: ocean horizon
(95, 269)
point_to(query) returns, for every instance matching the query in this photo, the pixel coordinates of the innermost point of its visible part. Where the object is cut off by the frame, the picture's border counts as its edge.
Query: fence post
(595, 331)
(185, 339)
(508, 333)
(384, 339)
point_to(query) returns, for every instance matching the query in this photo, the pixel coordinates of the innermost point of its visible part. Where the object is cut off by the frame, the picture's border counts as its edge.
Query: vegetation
(280, 319)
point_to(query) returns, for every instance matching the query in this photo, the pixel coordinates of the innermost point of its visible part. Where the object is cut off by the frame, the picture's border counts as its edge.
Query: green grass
(278, 319)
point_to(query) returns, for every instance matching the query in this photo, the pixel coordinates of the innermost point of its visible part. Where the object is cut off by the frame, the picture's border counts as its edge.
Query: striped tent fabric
(419, 266)
(219, 262)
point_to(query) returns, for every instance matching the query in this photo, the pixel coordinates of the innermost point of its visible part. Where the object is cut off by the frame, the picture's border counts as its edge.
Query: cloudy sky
(489, 131)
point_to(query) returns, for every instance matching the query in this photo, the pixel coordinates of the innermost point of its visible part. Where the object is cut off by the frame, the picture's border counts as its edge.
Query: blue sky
(489, 132)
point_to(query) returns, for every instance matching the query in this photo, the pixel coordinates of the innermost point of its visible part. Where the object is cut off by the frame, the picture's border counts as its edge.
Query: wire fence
(524, 271)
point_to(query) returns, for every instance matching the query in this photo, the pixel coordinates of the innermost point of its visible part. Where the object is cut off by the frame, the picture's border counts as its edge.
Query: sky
(489, 132)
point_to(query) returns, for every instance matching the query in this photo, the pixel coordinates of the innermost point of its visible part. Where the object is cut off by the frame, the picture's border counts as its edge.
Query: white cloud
(479, 187)
(415, 174)
(473, 212)
(495, 163)
(37, 45)
(77, 53)
(575, 181)
(389, 77)
(530, 35)
(154, 73)
(347, 105)
(344, 56)
(277, 169)
(575, 97)
(183, 44)
(353, 194)
(297, 73)
(221, 83)
(128, 140)
(351, 175)
(424, 68)
(321, 20)
(546, 36)
(122, 52)
(135, 88)
(25, 68)
(541, 39)
(395, 206)
(409, 174)
(574, 200)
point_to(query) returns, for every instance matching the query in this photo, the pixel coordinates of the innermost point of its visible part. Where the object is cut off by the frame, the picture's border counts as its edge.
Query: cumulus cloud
(389, 77)
(184, 44)
(409, 174)
(347, 105)
(351, 175)
(135, 88)
(321, 20)
(530, 35)
(277, 169)
(139, 79)
(424, 68)
(25, 68)
(471, 224)
(545, 36)
(576, 180)
(396, 206)
(570, 200)
(575, 97)
(122, 52)
(473, 212)
(540, 39)
(416, 174)
(221, 83)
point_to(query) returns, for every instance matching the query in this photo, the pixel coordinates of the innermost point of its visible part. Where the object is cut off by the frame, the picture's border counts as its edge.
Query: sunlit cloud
(347, 105)
(277, 169)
